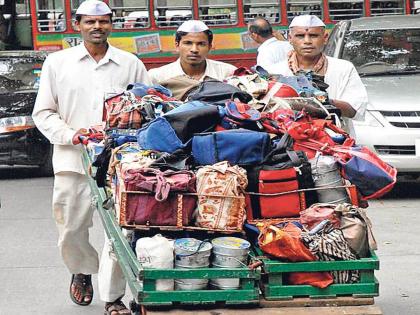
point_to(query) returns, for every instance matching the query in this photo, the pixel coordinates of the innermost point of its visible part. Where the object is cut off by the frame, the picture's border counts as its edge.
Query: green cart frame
(274, 287)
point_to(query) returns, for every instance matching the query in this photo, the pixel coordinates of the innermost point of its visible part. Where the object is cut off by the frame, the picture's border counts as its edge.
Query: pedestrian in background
(346, 91)
(193, 42)
(271, 50)
(74, 83)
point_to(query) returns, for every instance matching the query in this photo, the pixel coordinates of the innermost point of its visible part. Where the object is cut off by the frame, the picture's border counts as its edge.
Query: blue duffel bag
(238, 146)
(174, 130)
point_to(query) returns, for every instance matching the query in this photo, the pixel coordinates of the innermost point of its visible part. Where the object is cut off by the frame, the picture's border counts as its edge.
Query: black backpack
(217, 93)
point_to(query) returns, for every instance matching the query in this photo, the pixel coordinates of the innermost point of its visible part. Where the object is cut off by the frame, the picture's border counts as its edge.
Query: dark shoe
(81, 284)
(116, 308)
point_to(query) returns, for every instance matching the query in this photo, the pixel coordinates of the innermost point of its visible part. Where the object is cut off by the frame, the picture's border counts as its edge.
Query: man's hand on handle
(80, 135)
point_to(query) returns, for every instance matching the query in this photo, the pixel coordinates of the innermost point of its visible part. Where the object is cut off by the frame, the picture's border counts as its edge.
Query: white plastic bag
(157, 252)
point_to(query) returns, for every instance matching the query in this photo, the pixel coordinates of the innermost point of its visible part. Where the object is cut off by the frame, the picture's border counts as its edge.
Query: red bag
(276, 206)
(123, 111)
(317, 279)
(317, 213)
(273, 188)
(144, 209)
(303, 129)
(314, 129)
(285, 244)
(275, 122)
(167, 207)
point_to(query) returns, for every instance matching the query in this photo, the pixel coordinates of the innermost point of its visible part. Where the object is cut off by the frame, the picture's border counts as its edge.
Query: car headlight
(370, 120)
(17, 123)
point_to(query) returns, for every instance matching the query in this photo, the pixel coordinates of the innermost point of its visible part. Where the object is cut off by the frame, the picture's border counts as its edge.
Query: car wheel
(46, 169)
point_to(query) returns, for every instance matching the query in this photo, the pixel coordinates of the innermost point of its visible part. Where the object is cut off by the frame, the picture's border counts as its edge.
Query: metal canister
(229, 252)
(191, 253)
(326, 176)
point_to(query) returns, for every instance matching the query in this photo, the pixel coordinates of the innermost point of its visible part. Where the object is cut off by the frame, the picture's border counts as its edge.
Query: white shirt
(344, 85)
(272, 51)
(214, 69)
(72, 89)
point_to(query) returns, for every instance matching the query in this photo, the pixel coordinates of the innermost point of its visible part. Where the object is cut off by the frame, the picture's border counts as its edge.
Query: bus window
(299, 7)
(345, 10)
(218, 12)
(171, 13)
(51, 16)
(128, 14)
(270, 9)
(386, 7)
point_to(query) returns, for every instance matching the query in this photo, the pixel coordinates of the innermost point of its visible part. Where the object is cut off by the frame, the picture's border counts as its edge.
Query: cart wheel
(137, 309)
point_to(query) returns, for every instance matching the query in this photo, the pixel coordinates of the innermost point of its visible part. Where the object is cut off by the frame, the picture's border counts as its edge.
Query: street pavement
(33, 279)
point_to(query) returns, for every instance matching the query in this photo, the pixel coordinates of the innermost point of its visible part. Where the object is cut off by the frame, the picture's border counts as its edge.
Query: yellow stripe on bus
(153, 42)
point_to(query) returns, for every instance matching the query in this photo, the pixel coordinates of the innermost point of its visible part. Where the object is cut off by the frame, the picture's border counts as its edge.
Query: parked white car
(386, 52)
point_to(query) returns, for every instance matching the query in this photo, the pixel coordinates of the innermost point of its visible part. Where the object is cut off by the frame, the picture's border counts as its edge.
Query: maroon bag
(167, 206)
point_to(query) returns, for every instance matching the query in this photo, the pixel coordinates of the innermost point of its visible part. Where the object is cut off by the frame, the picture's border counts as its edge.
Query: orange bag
(285, 244)
(317, 279)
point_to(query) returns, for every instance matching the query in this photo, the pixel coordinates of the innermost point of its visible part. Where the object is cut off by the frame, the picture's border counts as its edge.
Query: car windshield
(383, 51)
(19, 74)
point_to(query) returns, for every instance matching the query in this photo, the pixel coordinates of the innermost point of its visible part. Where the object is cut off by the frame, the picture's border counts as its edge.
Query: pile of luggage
(250, 154)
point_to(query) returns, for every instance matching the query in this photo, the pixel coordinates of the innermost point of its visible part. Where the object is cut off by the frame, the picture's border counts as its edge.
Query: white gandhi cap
(93, 7)
(192, 26)
(307, 21)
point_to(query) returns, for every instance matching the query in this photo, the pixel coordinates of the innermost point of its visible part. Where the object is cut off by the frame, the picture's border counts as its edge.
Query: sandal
(116, 308)
(83, 284)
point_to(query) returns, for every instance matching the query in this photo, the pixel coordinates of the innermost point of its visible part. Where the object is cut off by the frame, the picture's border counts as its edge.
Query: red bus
(146, 28)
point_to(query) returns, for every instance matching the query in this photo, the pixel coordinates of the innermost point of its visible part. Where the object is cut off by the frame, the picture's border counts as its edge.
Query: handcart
(142, 281)
(258, 286)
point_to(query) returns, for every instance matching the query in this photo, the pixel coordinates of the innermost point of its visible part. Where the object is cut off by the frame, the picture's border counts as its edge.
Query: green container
(274, 286)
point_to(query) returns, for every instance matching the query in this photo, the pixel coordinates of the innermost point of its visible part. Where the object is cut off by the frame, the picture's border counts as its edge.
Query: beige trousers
(73, 212)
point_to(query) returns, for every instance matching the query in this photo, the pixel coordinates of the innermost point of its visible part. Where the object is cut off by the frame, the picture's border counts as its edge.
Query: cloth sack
(317, 213)
(284, 243)
(357, 229)
(328, 244)
(221, 200)
(167, 205)
(157, 252)
(253, 84)
(123, 111)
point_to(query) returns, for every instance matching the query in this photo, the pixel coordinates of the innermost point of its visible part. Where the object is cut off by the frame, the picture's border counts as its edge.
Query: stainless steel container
(229, 252)
(326, 175)
(191, 253)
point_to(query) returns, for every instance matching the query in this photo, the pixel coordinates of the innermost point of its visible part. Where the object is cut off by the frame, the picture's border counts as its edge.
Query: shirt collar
(267, 42)
(181, 71)
(110, 54)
